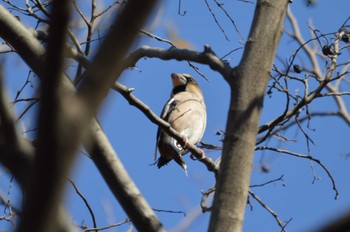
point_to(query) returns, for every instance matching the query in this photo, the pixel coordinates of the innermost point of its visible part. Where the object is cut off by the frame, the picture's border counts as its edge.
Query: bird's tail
(181, 162)
(162, 161)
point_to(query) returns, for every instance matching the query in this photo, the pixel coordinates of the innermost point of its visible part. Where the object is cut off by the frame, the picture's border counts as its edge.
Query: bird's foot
(198, 156)
(186, 143)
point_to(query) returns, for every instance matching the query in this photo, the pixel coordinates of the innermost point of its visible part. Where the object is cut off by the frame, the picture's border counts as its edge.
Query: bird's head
(185, 82)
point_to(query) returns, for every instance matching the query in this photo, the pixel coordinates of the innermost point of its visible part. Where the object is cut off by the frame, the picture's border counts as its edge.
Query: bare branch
(324, 81)
(54, 155)
(16, 153)
(8, 205)
(107, 227)
(173, 45)
(275, 216)
(118, 180)
(85, 202)
(309, 157)
(96, 15)
(157, 37)
(220, 5)
(306, 117)
(205, 57)
(269, 182)
(179, 9)
(169, 211)
(216, 21)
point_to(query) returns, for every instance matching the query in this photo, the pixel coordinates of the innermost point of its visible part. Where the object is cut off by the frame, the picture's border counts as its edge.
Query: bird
(185, 111)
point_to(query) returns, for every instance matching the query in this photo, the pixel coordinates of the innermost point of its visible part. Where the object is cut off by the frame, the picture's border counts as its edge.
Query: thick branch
(40, 211)
(120, 182)
(248, 88)
(30, 49)
(16, 153)
(12, 31)
(205, 57)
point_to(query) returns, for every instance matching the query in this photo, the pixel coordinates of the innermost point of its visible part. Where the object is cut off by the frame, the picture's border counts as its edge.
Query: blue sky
(133, 135)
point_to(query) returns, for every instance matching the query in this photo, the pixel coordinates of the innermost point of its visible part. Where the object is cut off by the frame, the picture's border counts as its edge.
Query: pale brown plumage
(186, 113)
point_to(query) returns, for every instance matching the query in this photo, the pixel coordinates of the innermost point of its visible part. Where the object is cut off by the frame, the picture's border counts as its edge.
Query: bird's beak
(178, 79)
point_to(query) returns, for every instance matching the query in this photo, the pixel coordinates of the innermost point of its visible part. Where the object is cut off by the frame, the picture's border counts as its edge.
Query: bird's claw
(186, 143)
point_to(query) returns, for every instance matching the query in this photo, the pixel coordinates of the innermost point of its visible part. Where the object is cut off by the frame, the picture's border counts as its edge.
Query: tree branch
(40, 210)
(248, 86)
(309, 157)
(91, 212)
(16, 153)
(120, 183)
(275, 216)
(205, 57)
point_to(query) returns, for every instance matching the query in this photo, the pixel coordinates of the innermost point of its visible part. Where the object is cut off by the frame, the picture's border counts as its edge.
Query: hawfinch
(185, 111)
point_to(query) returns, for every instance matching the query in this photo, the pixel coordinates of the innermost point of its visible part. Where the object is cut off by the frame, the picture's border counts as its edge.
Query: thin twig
(275, 216)
(230, 52)
(85, 202)
(157, 37)
(27, 109)
(196, 69)
(269, 182)
(309, 157)
(220, 5)
(179, 9)
(107, 227)
(170, 211)
(216, 21)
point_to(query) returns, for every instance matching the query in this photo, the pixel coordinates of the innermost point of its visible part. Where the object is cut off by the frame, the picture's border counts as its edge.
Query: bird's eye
(188, 77)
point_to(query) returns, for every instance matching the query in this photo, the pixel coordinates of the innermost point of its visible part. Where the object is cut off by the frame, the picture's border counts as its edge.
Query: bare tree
(41, 165)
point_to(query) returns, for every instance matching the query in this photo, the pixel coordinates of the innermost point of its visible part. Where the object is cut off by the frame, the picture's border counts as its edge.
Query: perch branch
(197, 152)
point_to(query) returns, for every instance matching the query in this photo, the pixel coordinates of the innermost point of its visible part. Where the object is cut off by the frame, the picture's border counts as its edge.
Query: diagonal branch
(85, 201)
(16, 154)
(197, 152)
(120, 183)
(275, 216)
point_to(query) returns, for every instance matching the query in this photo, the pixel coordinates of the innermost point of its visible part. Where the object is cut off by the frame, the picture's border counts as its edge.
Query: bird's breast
(189, 117)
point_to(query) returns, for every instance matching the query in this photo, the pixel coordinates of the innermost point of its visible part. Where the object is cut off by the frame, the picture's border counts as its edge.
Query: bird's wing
(168, 108)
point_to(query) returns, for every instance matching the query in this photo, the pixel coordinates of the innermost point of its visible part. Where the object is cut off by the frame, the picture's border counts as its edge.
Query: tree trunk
(248, 85)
